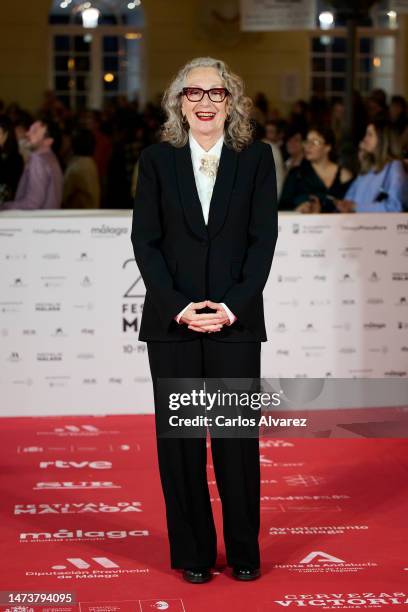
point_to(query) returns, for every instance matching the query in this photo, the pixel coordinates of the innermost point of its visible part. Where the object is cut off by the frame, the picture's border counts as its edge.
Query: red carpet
(82, 512)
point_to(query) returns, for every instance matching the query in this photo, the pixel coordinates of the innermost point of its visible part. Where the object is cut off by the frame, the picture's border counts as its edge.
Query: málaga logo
(80, 535)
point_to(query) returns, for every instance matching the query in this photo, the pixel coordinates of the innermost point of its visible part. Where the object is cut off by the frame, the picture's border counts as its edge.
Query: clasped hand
(206, 321)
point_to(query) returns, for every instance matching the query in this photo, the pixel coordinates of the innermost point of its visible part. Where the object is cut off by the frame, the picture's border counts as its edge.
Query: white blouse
(205, 165)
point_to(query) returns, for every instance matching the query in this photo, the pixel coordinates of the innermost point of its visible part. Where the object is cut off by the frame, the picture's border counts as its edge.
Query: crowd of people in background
(88, 159)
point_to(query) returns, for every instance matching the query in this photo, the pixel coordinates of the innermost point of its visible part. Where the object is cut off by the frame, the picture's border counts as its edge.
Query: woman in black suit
(204, 232)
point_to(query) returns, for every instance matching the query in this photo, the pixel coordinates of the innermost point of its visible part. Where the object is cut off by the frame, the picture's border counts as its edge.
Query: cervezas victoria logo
(339, 600)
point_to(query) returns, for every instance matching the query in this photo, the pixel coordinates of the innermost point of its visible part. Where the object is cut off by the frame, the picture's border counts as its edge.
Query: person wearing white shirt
(204, 231)
(205, 175)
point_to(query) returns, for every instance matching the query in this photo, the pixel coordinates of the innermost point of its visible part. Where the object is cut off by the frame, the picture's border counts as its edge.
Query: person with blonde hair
(382, 184)
(204, 231)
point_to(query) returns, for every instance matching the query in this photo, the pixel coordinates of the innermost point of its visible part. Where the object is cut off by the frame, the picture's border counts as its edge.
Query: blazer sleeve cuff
(231, 316)
(180, 314)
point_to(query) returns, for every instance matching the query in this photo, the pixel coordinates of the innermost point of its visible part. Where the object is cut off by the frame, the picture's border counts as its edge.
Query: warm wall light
(90, 17)
(376, 62)
(71, 63)
(392, 16)
(108, 77)
(133, 35)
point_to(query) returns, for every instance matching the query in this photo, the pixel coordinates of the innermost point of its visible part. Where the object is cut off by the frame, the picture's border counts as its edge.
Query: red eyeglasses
(196, 94)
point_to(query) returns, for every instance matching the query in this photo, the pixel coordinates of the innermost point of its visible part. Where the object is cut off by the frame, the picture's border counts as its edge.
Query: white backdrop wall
(71, 298)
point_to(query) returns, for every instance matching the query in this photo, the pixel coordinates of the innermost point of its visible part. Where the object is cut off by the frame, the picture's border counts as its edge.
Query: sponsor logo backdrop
(71, 300)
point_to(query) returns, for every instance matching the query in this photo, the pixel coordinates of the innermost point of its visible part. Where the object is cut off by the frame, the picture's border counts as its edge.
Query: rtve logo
(60, 464)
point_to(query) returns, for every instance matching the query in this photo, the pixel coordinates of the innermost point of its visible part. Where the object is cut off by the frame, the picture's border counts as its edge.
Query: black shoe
(197, 575)
(245, 573)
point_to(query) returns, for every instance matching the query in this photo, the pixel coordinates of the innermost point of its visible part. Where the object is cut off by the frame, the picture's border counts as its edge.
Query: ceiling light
(90, 17)
(326, 20)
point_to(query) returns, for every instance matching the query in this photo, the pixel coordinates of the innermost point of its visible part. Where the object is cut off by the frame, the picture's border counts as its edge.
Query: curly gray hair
(238, 129)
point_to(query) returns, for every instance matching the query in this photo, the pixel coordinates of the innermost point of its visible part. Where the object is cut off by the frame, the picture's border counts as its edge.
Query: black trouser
(182, 461)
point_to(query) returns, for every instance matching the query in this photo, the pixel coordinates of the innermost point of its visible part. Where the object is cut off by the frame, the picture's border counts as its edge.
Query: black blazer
(183, 260)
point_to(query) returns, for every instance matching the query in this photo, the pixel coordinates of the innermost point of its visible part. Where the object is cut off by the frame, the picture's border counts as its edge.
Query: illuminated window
(90, 66)
(377, 52)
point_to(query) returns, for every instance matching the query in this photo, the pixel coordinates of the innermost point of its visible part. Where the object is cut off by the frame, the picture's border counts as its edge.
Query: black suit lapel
(221, 192)
(188, 191)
